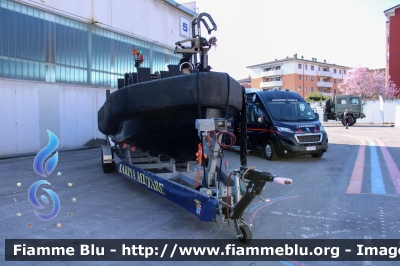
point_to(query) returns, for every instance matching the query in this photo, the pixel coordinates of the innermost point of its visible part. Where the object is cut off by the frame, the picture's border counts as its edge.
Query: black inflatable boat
(159, 116)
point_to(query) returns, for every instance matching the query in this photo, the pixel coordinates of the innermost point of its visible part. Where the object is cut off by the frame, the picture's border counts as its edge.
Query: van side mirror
(317, 115)
(262, 119)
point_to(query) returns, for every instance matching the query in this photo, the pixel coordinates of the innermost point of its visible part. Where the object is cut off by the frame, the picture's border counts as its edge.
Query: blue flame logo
(39, 165)
(32, 198)
(44, 168)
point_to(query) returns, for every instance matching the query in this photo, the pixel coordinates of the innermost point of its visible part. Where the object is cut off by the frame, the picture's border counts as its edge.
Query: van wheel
(269, 151)
(317, 155)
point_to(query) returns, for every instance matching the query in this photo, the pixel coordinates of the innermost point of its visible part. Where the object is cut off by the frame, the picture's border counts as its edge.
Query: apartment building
(245, 82)
(298, 74)
(393, 44)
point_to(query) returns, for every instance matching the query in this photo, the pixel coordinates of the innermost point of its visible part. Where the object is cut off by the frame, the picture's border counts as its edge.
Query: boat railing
(190, 67)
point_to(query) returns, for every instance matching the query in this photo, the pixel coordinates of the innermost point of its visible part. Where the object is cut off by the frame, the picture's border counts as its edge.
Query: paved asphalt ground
(95, 205)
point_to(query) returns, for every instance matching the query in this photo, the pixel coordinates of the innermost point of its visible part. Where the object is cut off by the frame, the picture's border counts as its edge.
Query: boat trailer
(200, 186)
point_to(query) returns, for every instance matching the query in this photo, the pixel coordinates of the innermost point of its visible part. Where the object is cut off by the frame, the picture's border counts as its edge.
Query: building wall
(255, 82)
(146, 18)
(394, 51)
(387, 47)
(55, 64)
(28, 109)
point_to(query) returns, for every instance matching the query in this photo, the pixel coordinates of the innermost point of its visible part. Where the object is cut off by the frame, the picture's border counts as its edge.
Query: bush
(317, 97)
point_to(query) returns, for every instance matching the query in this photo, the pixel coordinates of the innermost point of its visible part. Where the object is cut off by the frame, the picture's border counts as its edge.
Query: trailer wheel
(107, 167)
(247, 234)
(269, 151)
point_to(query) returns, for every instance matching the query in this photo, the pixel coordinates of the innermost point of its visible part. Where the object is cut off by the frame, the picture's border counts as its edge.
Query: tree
(368, 84)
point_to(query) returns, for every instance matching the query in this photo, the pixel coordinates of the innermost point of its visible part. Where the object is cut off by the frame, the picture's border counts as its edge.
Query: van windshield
(290, 111)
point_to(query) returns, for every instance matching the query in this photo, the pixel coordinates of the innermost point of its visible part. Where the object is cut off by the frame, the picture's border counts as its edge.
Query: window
(340, 71)
(344, 71)
(278, 68)
(312, 78)
(299, 77)
(306, 78)
(299, 89)
(334, 81)
(305, 89)
(266, 79)
(299, 66)
(50, 48)
(305, 67)
(354, 101)
(251, 113)
(267, 69)
(341, 101)
(312, 89)
(334, 71)
(334, 91)
(312, 67)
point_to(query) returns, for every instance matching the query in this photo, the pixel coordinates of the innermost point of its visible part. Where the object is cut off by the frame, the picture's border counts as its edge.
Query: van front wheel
(269, 151)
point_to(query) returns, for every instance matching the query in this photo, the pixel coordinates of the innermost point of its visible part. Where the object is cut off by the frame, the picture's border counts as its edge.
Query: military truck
(335, 108)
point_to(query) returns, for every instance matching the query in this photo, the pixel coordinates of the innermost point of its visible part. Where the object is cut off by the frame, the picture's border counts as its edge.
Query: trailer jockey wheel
(247, 234)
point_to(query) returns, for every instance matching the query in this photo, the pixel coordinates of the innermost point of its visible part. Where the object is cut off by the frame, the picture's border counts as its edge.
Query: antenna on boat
(198, 44)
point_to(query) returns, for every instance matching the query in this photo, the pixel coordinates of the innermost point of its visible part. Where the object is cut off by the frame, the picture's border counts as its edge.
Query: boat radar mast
(199, 44)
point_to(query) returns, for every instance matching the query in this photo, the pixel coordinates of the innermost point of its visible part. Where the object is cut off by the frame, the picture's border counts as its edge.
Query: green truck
(335, 108)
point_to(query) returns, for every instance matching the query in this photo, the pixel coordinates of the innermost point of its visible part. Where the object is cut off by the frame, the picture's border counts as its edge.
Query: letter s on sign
(184, 25)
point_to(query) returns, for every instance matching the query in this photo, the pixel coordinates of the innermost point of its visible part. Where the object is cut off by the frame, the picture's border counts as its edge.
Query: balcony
(271, 73)
(324, 84)
(324, 74)
(271, 84)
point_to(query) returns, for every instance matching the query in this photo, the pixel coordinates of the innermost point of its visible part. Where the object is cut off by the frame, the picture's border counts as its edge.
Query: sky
(348, 33)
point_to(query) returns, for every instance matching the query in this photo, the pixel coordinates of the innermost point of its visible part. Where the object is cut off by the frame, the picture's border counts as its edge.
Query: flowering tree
(368, 84)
